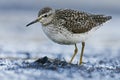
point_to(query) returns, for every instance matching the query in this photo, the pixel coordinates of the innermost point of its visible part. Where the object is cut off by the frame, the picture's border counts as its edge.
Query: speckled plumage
(75, 21)
(67, 26)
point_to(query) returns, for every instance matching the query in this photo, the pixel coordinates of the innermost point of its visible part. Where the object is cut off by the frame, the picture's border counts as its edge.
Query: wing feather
(76, 21)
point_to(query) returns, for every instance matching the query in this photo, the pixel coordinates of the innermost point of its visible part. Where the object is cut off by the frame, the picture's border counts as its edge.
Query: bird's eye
(45, 15)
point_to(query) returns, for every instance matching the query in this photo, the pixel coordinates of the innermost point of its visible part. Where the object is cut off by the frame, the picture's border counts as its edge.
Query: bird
(69, 26)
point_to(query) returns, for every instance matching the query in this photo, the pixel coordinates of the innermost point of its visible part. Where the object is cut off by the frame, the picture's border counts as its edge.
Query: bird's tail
(101, 18)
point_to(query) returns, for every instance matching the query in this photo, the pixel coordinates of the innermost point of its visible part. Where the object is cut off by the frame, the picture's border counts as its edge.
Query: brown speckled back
(78, 22)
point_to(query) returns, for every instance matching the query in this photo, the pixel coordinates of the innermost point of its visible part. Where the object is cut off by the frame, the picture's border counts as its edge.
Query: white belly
(63, 36)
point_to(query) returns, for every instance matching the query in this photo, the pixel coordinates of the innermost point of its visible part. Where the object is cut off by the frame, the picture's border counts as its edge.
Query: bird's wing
(75, 21)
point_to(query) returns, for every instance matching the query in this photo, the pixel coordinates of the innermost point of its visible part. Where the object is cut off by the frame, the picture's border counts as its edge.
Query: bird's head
(45, 16)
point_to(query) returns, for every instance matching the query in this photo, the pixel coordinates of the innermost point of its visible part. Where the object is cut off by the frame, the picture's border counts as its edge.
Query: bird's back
(78, 22)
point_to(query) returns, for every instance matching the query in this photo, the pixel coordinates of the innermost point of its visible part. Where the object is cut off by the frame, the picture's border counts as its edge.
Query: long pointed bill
(32, 22)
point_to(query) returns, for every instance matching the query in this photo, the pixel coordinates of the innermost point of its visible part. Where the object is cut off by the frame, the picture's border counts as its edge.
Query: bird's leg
(83, 45)
(75, 52)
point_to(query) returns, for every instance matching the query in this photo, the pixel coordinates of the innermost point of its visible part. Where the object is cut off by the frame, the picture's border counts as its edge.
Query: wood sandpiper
(69, 27)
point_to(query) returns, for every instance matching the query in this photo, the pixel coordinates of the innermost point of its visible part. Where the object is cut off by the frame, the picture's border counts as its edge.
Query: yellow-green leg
(75, 52)
(82, 51)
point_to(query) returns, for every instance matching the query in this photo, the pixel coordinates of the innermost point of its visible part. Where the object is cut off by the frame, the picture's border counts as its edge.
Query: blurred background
(17, 40)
